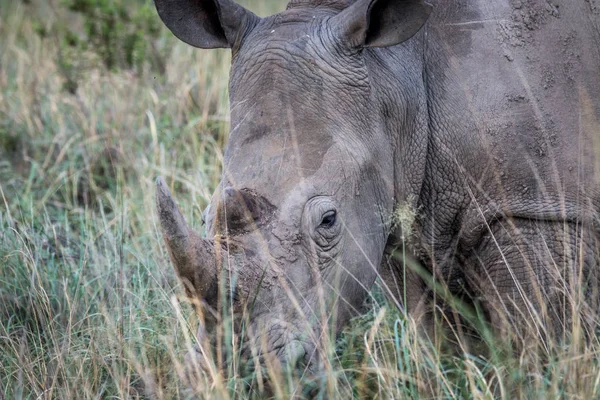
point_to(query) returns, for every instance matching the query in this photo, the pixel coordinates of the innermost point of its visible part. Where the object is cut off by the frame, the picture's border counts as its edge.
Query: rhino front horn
(194, 258)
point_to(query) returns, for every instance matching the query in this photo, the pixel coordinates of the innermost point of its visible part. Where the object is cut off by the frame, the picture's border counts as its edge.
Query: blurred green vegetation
(120, 32)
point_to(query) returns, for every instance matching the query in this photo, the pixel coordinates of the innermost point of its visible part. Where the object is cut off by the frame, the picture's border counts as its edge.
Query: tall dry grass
(89, 304)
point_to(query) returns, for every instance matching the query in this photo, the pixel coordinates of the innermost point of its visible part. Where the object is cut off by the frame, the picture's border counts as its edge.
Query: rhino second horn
(194, 258)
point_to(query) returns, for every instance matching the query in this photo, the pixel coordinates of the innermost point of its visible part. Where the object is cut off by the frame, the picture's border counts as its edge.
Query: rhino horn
(196, 260)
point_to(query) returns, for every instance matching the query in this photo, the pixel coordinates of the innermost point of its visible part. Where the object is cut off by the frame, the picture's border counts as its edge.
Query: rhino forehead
(293, 51)
(287, 113)
(276, 163)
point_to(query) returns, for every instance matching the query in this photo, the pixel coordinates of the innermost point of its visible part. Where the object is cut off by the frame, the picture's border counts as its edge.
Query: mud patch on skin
(527, 16)
(570, 46)
(547, 77)
(288, 238)
(594, 6)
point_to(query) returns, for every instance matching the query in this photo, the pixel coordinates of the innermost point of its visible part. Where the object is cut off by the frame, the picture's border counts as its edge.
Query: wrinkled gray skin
(483, 118)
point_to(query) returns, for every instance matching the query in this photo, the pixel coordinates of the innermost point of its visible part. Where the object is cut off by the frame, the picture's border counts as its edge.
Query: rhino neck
(337, 4)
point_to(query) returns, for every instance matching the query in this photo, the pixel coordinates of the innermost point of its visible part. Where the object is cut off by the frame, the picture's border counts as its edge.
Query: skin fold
(480, 117)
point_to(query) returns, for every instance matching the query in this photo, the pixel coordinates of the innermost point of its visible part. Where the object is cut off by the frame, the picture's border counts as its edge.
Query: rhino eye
(328, 219)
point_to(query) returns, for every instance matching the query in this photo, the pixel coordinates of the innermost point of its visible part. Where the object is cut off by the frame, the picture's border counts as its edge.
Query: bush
(120, 32)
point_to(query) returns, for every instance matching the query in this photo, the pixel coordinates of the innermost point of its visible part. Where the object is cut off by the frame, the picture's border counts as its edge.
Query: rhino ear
(207, 24)
(380, 23)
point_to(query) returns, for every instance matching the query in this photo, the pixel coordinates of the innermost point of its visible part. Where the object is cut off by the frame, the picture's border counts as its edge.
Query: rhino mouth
(280, 342)
(273, 348)
(292, 354)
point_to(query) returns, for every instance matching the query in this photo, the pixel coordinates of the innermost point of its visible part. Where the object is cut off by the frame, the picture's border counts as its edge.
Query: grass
(89, 304)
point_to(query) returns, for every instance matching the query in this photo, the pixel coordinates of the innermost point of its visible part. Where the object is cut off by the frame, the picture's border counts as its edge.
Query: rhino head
(298, 225)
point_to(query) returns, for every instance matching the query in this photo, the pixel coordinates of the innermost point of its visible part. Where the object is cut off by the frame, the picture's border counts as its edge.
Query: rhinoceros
(475, 123)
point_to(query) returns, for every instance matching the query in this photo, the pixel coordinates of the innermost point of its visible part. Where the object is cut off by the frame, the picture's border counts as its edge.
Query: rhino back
(514, 95)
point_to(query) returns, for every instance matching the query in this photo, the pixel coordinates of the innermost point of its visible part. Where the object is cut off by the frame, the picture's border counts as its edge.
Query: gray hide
(478, 131)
